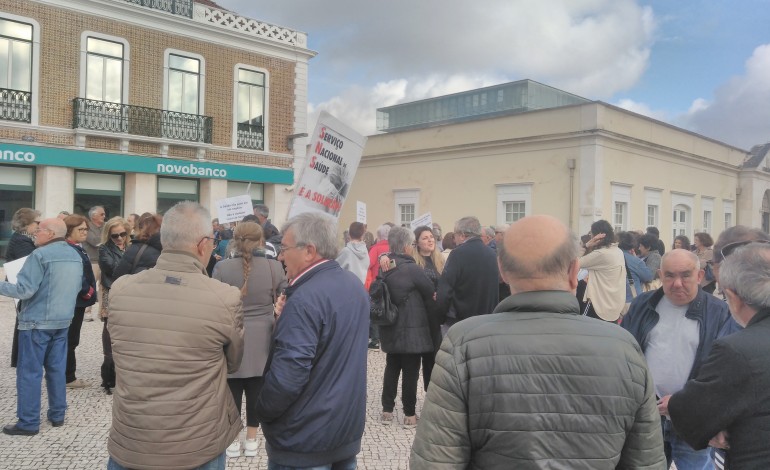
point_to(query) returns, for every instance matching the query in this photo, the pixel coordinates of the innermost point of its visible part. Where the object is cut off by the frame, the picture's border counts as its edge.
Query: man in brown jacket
(176, 334)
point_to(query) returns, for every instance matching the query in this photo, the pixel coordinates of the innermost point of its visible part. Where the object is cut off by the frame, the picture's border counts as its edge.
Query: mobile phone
(392, 264)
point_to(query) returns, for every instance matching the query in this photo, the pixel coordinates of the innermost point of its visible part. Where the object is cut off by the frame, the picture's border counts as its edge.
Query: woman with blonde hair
(116, 238)
(261, 281)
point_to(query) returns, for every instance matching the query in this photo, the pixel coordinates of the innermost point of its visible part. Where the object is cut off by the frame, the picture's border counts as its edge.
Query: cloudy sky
(701, 65)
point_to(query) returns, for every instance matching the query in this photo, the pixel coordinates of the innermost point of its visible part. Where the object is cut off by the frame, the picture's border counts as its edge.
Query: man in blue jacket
(676, 326)
(313, 402)
(49, 282)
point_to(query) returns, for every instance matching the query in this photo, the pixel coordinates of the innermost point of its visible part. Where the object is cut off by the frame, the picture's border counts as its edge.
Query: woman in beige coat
(261, 281)
(605, 294)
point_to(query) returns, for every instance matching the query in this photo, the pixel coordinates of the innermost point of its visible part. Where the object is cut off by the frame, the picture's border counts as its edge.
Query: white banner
(361, 212)
(332, 160)
(424, 219)
(234, 209)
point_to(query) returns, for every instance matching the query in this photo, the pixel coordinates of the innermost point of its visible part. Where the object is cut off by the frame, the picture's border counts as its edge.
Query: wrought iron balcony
(15, 105)
(177, 7)
(251, 136)
(138, 120)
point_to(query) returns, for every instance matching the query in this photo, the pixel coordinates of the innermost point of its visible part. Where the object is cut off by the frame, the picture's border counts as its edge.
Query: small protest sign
(234, 209)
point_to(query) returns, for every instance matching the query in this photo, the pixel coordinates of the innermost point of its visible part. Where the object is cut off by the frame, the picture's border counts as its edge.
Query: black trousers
(394, 365)
(428, 361)
(252, 386)
(73, 340)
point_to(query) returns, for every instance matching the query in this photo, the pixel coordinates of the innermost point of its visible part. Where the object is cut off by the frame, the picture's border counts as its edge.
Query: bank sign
(81, 159)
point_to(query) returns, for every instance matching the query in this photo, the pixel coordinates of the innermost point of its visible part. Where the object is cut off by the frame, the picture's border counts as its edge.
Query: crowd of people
(537, 350)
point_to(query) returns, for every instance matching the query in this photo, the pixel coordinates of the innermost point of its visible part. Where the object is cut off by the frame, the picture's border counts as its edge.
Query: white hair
(747, 273)
(184, 225)
(319, 230)
(383, 231)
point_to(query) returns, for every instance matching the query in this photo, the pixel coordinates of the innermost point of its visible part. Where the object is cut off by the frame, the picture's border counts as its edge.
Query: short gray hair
(489, 231)
(399, 239)
(262, 210)
(184, 225)
(383, 231)
(737, 233)
(313, 228)
(22, 218)
(93, 210)
(693, 257)
(468, 226)
(747, 273)
(553, 265)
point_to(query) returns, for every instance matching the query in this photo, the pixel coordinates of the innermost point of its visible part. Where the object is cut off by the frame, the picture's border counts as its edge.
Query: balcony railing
(177, 7)
(138, 120)
(251, 136)
(15, 105)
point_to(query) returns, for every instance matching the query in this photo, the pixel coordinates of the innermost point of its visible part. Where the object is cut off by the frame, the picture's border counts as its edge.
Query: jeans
(217, 463)
(73, 340)
(678, 451)
(38, 350)
(349, 464)
(394, 365)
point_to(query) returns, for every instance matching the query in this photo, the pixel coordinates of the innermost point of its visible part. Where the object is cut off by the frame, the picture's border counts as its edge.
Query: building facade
(579, 161)
(138, 104)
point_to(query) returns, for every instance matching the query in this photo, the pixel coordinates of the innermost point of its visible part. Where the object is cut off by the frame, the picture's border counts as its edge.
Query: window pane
(99, 46)
(255, 115)
(94, 71)
(190, 98)
(21, 66)
(174, 90)
(113, 77)
(5, 54)
(184, 63)
(253, 78)
(15, 29)
(243, 103)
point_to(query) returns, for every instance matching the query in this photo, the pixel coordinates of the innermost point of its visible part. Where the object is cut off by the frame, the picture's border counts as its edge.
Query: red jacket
(374, 252)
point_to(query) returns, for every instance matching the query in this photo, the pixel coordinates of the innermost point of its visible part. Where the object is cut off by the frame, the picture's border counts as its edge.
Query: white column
(54, 190)
(211, 191)
(141, 193)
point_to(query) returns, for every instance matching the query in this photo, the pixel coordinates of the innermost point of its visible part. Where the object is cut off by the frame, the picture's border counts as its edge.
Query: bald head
(55, 225)
(538, 254)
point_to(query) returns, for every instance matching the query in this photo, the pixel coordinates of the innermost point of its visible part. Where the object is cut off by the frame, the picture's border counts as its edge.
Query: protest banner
(332, 160)
(234, 209)
(424, 219)
(361, 212)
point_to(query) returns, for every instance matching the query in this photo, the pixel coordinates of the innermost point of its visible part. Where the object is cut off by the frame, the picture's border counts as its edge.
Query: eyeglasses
(728, 249)
(285, 248)
(214, 241)
(115, 236)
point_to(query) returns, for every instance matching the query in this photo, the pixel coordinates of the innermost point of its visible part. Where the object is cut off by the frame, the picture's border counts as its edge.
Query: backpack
(709, 270)
(382, 310)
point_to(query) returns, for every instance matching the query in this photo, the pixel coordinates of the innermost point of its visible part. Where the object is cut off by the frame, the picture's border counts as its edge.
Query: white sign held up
(361, 212)
(425, 219)
(234, 209)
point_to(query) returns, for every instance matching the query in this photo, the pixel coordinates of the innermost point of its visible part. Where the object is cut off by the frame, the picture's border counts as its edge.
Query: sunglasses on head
(728, 249)
(115, 236)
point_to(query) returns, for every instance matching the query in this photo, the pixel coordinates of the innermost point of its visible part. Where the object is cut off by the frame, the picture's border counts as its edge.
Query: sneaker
(77, 383)
(386, 418)
(374, 345)
(410, 422)
(15, 430)
(235, 449)
(250, 447)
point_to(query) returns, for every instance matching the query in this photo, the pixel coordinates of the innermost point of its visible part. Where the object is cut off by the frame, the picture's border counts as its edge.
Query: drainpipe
(571, 166)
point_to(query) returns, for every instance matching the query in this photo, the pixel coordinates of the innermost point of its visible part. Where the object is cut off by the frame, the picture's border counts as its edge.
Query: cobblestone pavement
(82, 442)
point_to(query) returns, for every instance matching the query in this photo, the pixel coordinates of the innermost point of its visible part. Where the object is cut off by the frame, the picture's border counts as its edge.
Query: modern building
(138, 104)
(521, 148)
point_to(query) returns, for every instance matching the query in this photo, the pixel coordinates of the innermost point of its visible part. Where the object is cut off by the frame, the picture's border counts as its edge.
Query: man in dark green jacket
(536, 385)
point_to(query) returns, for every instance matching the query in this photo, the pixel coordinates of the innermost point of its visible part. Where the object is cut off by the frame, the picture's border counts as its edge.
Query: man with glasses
(96, 216)
(728, 404)
(49, 283)
(313, 402)
(676, 326)
(176, 334)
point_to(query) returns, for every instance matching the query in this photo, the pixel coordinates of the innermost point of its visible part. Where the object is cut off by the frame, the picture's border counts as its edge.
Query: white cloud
(739, 113)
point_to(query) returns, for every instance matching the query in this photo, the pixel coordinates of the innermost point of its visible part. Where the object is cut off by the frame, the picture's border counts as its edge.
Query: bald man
(49, 282)
(676, 326)
(535, 384)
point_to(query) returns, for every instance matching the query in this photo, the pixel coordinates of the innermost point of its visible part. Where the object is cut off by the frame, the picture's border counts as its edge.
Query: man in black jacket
(728, 404)
(469, 283)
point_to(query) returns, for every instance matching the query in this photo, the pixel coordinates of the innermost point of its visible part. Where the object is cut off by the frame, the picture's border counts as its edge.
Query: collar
(299, 276)
(180, 261)
(551, 301)
(761, 315)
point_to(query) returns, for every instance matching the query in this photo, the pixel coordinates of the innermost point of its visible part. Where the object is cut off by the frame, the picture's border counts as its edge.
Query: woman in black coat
(144, 250)
(77, 232)
(406, 341)
(115, 240)
(22, 243)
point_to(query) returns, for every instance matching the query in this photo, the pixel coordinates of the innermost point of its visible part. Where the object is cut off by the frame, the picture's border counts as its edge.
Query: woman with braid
(261, 281)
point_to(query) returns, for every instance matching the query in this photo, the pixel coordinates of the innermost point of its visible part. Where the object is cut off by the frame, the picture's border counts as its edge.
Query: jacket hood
(359, 250)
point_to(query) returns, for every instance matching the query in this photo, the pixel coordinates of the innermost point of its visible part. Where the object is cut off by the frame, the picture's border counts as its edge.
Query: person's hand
(217, 257)
(384, 263)
(720, 441)
(663, 405)
(595, 240)
(278, 306)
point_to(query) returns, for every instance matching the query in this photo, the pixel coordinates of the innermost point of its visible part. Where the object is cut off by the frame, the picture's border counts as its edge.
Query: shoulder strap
(136, 258)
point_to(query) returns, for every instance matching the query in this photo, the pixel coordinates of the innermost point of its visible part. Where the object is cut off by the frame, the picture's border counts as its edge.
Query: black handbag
(382, 310)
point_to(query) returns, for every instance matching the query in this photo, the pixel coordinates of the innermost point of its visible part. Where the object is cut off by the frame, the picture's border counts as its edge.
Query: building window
(174, 190)
(17, 190)
(184, 77)
(681, 220)
(727, 209)
(406, 214)
(99, 189)
(256, 191)
(728, 220)
(250, 109)
(707, 221)
(652, 216)
(619, 216)
(514, 210)
(104, 70)
(15, 71)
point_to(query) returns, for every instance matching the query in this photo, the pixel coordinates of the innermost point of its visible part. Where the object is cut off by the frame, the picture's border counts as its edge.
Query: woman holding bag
(261, 281)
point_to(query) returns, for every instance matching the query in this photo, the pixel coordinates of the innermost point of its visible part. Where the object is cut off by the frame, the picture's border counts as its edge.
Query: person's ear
(572, 273)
